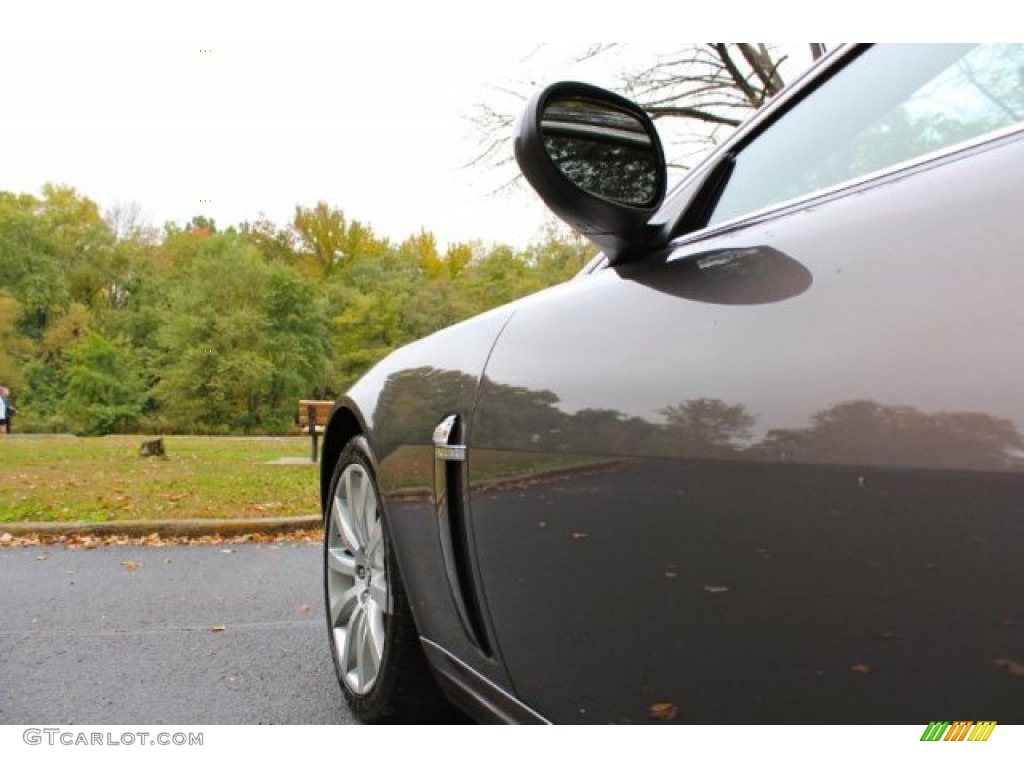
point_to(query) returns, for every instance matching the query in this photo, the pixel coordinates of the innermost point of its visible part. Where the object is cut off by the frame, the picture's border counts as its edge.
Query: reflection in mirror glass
(603, 150)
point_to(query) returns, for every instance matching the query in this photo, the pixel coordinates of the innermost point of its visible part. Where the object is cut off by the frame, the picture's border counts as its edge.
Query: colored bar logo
(960, 730)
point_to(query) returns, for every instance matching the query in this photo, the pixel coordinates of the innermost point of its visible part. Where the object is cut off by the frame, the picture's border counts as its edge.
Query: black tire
(403, 688)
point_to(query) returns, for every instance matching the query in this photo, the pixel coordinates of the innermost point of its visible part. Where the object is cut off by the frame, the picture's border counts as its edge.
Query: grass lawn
(94, 479)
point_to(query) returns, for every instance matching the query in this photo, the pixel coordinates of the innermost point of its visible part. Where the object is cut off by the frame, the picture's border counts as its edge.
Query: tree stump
(152, 448)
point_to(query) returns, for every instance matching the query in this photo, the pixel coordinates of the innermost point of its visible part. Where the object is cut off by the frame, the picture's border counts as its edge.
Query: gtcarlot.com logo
(59, 736)
(958, 730)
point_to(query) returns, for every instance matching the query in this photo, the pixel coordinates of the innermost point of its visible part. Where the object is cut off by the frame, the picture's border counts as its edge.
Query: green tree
(560, 254)
(105, 392)
(371, 307)
(13, 347)
(109, 325)
(32, 272)
(241, 340)
(706, 425)
(82, 240)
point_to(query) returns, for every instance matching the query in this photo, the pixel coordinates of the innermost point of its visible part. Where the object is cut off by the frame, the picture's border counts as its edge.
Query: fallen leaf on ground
(304, 608)
(1014, 668)
(129, 565)
(88, 541)
(664, 710)
(861, 668)
(217, 628)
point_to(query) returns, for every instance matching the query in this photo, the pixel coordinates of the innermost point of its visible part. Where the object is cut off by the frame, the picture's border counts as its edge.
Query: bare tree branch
(696, 92)
(761, 63)
(737, 77)
(696, 114)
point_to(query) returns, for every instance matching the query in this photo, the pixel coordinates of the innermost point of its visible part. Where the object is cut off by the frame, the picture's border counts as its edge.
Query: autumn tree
(108, 324)
(325, 239)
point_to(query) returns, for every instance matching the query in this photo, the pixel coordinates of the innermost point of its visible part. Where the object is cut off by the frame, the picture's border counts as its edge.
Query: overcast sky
(233, 132)
(237, 116)
(241, 110)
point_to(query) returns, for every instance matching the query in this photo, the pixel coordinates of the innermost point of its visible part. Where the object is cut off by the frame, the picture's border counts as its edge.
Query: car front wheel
(377, 654)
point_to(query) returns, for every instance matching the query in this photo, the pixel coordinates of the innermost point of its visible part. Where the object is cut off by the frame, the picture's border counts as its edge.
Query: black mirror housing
(595, 159)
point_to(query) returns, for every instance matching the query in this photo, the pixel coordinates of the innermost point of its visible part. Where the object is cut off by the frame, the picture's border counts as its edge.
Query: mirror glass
(602, 149)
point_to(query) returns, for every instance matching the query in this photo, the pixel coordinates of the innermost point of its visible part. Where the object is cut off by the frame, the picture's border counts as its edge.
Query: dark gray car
(760, 463)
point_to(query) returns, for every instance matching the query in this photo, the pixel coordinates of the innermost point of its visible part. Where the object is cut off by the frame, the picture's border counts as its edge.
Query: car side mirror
(596, 160)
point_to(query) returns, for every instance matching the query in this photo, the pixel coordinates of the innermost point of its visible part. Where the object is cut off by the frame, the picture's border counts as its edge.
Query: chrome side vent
(453, 527)
(443, 450)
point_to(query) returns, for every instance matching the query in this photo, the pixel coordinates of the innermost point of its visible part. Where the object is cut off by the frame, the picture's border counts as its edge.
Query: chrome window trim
(867, 179)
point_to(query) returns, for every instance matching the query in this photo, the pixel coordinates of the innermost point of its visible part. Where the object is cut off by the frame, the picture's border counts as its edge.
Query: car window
(890, 105)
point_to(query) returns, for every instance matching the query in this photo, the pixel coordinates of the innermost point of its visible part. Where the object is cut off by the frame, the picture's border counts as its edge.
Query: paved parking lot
(179, 635)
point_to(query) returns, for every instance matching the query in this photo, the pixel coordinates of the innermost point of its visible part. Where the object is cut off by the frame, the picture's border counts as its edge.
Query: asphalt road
(126, 635)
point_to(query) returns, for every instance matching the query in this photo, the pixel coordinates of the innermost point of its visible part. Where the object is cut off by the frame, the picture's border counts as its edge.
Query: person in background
(7, 410)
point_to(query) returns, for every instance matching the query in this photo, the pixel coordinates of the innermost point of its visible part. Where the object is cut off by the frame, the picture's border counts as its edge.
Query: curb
(166, 528)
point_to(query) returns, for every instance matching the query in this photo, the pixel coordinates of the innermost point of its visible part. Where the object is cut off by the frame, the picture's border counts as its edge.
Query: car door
(773, 473)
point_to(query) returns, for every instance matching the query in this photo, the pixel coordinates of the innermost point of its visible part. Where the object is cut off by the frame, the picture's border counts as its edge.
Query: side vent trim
(452, 524)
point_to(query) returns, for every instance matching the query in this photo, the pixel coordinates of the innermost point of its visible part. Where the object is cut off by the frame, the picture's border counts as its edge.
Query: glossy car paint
(797, 494)
(772, 474)
(397, 406)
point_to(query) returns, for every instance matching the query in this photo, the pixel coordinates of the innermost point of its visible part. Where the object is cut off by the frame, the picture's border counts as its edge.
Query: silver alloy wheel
(358, 591)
